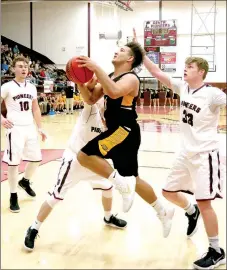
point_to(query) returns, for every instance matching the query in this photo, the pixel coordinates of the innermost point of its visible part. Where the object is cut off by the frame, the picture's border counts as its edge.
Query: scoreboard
(160, 33)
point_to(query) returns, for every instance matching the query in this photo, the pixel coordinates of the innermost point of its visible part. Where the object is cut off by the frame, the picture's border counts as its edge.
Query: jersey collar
(196, 90)
(19, 84)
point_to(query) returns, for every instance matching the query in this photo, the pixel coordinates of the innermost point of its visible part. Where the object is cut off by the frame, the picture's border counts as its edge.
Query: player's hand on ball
(6, 123)
(85, 61)
(43, 134)
(92, 83)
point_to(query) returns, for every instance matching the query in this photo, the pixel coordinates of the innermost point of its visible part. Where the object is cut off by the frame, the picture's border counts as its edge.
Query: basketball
(78, 74)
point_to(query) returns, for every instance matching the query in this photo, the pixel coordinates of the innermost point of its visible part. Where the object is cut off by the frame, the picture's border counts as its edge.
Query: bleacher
(43, 72)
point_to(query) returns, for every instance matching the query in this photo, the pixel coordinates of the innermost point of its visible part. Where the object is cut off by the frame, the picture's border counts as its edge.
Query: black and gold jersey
(121, 111)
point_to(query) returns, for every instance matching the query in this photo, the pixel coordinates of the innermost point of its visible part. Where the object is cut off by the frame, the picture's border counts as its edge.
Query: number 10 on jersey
(24, 106)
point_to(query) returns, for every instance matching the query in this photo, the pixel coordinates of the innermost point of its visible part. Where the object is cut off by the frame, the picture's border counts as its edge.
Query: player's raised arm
(157, 72)
(153, 68)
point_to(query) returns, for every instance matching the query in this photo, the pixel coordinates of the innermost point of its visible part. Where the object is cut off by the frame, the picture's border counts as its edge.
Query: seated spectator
(36, 66)
(31, 78)
(16, 50)
(52, 100)
(61, 100)
(4, 66)
(41, 76)
(43, 104)
(78, 101)
(42, 73)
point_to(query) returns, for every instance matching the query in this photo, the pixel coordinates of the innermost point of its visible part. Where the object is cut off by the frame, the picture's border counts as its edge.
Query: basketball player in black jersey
(121, 141)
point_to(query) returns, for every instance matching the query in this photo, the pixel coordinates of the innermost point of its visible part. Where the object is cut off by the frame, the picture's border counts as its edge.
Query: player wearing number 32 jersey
(21, 133)
(196, 169)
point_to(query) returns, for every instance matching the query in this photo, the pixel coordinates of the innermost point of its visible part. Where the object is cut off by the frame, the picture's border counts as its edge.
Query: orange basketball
(78, 74)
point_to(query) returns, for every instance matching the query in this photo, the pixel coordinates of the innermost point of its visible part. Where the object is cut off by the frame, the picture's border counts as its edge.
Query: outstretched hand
(134, 35)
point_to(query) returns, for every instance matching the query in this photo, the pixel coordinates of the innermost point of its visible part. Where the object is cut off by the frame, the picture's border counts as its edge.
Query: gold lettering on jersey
(23, 96)
(190, 106)
(113, 140)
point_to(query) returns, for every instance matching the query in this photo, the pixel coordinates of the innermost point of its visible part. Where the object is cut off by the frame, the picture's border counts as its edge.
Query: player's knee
(107, 193)
(104, 185)
(168, 195)
(82, 158)
(51, 201)
(34, 163)
(204, 205)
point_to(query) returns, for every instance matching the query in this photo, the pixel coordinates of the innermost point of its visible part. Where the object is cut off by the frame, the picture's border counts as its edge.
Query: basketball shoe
(14, 206)
(25, 185)
(166, 221)
(193, 221)
(115, 222)
(29, 241)
(211, 260)
(126, 186)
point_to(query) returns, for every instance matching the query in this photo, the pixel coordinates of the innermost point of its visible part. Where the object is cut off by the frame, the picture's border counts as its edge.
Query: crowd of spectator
(58, 103)
(38, 73)
(63, 99)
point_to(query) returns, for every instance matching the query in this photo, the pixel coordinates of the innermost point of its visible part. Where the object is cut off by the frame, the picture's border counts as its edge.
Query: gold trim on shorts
(113, 140)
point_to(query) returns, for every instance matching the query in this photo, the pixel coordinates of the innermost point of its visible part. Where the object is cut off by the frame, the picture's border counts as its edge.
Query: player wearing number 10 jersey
(21, 134)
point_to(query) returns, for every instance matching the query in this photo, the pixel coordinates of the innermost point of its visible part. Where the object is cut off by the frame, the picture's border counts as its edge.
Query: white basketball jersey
(199, 116)
(88, 126)
(18, 98)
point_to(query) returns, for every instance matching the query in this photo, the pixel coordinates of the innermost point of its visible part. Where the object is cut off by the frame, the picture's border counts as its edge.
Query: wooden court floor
(74, 236)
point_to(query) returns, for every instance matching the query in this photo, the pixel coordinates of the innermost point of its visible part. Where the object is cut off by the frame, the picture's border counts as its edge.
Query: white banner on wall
(48, 86)
(80, 50)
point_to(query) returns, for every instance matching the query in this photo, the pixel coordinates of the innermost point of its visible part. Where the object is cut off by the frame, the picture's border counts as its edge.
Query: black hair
(137, 53)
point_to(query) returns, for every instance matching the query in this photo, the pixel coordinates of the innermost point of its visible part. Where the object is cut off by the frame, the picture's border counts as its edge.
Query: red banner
(168, 61)
(168, 57)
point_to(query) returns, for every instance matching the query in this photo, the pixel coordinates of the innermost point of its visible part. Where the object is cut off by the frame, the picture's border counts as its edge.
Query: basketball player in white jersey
(196, 169)
(22, 137)
(88, 126)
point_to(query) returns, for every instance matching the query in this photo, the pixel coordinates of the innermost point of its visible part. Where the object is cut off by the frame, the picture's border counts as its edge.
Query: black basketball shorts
(121, 145)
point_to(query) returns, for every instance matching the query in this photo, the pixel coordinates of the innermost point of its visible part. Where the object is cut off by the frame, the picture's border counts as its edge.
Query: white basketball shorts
(71, 172)
(200, 175)
(22, 143)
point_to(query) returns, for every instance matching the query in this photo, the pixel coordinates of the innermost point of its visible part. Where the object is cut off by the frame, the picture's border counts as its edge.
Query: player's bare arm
(153, 68)
(37, 117)
(4, 122)
(90, 96)
(157, 72)
(129, 84)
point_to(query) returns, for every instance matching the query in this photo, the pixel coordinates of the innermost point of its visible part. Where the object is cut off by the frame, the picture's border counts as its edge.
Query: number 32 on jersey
(187, 118)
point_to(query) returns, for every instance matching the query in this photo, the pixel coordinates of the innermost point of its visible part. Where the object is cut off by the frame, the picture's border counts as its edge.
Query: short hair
(137, 53)
(201, 63)
(19, 59)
